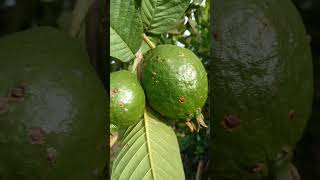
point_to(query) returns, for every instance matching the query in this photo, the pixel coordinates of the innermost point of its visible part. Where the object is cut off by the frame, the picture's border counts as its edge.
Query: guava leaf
(149, 150)
(125, 29)
(160, 16)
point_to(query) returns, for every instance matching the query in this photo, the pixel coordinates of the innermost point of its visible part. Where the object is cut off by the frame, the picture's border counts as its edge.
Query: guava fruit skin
(262, 77)
(127, 99)
(57, 131)
(175, 82)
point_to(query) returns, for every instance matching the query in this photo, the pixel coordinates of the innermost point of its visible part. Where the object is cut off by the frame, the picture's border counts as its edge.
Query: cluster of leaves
(150, 147)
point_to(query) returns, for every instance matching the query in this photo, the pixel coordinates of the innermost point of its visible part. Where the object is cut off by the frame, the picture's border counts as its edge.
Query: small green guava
(127, 100)
(175, 82)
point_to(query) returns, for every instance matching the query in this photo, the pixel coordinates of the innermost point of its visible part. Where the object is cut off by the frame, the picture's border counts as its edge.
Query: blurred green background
(307, 156)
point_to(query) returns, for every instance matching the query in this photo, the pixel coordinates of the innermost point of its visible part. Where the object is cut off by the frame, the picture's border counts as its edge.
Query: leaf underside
(149, 150)
(125, 29)
(160, 16)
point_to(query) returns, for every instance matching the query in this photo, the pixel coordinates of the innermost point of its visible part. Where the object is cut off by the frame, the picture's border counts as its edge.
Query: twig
(137, 60)
(200, 170)
(148, 41)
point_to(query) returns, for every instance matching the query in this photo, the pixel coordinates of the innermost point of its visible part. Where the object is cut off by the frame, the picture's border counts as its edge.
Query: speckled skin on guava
(53, 109)
(262, 86)
(127, 100)
(175, 82)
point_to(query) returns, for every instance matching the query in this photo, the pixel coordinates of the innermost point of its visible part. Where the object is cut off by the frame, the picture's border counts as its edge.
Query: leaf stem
(148, 41)
(137, 60)
(78, 16)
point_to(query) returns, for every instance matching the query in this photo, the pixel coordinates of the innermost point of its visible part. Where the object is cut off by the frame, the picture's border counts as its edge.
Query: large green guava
(262, 86)
(53, 109)
(127, 100)
(175, 82)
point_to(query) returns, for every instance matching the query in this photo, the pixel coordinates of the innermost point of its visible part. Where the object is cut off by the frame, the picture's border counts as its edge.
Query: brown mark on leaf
(114, 92)
(291, 114)
(51, 156)
(37, 136)
(181, 99)
(231, 121)
(258, 168)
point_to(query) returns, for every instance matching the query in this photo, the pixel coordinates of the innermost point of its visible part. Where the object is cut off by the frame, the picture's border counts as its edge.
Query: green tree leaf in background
(149, 150)
(160, 16)
(125, 29)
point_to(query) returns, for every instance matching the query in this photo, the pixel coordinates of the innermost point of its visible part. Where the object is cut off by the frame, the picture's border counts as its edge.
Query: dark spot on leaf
(37, 136)
(231, 121)
(181, 99)
(291, 115)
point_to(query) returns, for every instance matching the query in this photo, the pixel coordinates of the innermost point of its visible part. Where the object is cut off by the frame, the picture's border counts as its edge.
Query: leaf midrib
(148, 143)
(154, 12)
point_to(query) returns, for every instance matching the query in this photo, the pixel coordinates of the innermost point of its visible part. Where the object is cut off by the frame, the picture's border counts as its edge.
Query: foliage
(165, 22)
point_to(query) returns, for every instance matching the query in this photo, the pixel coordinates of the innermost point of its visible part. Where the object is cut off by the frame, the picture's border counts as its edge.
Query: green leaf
(149, 151)
(160, 16)
(125, 29)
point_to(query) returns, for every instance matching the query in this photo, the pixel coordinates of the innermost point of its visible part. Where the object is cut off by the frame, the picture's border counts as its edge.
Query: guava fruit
(175, 82)
(53, 109)
(262, 87)
(127, 99)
